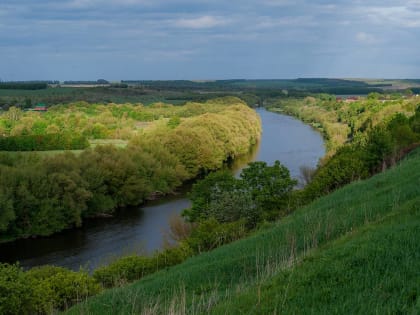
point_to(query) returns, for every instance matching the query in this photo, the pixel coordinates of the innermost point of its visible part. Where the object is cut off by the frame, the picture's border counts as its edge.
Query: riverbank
(333, 245)
(43, 195)
(142, 229)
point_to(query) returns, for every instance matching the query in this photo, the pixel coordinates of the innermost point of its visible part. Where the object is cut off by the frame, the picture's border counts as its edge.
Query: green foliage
(15, 292)
(174, 122)
(379, 148)
(364, 136)
(43, 142)
(22, 86)
(341, 120)
(41, 196)
(210, 234)
(231, 206)
(261, 193)
(125, 270)
(345, 166)
(373, 268)
(59, 288)
(130, 268)
(270, 186)
(207, 190)
(42, 290)
(415, 121)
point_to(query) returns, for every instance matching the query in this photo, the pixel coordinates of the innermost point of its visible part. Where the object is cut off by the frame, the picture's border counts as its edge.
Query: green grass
(93, 143)
(41, 153)
(375, 270)
(353, 251)
(116, 142)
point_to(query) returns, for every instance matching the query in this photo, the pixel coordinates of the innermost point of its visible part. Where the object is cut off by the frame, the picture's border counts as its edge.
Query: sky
(208, 39)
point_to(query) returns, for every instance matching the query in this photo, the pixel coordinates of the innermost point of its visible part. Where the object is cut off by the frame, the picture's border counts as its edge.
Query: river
(142, 230)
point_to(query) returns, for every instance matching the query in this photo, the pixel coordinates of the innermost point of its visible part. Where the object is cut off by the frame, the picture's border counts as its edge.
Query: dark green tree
(270, 186)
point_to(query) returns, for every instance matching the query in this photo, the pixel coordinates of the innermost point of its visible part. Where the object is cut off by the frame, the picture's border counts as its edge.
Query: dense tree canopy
(40, 195)
(261, 193)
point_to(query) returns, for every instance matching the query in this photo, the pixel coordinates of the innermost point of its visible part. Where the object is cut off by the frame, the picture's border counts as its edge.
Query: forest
(164, 146)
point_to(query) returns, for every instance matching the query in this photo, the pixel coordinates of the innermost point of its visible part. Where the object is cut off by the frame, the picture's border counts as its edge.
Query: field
(180, 92)
(353, 251)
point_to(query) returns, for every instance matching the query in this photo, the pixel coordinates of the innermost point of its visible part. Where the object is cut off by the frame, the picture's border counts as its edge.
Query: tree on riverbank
(41, 195)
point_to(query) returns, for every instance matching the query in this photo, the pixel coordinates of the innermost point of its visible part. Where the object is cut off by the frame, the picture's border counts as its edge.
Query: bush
(262, 193)
(15, 292)
(57, 288)
(211, 234)
(42, 290)
(124, 270)
(347, 165)
(130, 268)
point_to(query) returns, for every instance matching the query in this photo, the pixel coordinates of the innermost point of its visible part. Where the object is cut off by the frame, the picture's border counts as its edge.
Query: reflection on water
(139, 230)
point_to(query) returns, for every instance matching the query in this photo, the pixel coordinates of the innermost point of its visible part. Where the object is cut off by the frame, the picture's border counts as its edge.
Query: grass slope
(353, 251)
(375, 270)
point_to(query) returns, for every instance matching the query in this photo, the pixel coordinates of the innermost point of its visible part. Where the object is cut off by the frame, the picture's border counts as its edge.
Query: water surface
(143, 229)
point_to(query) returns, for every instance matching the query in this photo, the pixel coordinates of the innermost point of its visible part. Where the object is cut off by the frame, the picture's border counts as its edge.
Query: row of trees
(373, 151)
(23, 85)
(98, 121)
(45, 142)
(339, 120)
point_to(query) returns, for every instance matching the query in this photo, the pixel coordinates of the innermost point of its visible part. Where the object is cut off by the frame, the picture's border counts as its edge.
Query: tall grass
(202, 283)
(375, 270)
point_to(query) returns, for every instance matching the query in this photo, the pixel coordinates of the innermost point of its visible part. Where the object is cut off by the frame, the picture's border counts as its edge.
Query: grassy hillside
(353, 251)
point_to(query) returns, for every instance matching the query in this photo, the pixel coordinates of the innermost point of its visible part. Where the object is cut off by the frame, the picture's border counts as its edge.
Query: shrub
(42, 290)
(57, 288)
(15, 293)
(210, 234)
(130, 268)
(347, 165)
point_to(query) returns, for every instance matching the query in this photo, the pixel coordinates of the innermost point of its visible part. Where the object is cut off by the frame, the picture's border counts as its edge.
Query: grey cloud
(207, 38)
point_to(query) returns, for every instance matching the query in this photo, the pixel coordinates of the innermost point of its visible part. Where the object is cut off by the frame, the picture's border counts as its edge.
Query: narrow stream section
(143, 230)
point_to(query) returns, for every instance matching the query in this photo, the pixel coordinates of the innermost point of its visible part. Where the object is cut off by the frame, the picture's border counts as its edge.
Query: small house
(40, 108)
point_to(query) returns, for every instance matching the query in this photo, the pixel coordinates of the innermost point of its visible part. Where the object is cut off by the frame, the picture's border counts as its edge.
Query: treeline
(377, 149)
(45, 142)
(23, 86)
(100, 81)
(99, 121)
(41, 196)
(341, 121)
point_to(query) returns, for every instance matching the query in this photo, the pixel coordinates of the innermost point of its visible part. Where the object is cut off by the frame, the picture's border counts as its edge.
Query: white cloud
(299, 21)
(366, 38)
(398, 16)
(202, 22)
(280, 3)
(84, 4)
